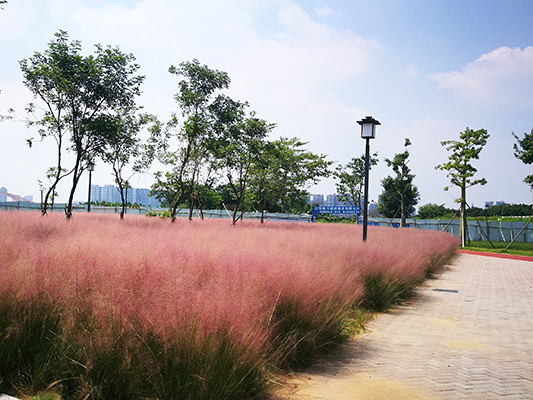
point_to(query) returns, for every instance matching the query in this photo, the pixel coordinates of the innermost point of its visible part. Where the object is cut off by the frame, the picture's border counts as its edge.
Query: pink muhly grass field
(189, 282)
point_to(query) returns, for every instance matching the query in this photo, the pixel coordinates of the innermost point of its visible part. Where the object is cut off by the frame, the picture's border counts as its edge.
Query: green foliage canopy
(463, 151)
(124, 145)
(79, 94)
(283, 173)
(190, 161)
(459, 168)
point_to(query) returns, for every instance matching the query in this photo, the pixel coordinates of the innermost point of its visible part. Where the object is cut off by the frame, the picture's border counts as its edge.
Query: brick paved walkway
(467, 335)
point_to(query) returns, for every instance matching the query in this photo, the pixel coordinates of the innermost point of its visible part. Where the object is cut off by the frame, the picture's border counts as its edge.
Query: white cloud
(302, 61)
(325, 11)
(224, 33)
(15, 18)
(501, 77)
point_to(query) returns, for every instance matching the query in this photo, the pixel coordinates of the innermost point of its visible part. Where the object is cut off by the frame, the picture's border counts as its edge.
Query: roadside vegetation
(99, 308)
(503, 212)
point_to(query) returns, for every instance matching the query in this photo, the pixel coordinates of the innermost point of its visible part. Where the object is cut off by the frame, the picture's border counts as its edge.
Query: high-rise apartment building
(316, 199)
(332, 200)
(107, 193)
(111, 194)
(3, 197)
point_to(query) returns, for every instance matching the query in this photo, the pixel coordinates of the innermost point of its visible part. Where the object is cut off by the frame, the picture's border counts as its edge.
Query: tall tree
(399, 191)
(523, 150)
(237, 145)
(459, 167)
(352, 178)
(191, 158)
(79, 92)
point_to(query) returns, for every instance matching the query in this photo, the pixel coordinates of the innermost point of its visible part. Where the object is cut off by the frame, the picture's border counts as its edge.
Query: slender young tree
(400, 190)
(523, 150)
(78, 93)
(460, 169)
(124, 146)
(351, 179)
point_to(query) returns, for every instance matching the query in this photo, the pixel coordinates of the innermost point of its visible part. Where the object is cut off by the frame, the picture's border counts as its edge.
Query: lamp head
(368, 127)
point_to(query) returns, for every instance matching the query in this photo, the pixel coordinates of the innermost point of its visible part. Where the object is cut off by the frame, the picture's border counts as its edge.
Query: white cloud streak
(501, 77)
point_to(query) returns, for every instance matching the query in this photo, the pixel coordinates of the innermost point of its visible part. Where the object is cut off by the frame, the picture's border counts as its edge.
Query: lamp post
(368, 131)
(90, 168)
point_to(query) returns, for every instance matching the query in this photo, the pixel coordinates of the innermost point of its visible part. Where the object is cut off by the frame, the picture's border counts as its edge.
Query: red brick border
(497, 255)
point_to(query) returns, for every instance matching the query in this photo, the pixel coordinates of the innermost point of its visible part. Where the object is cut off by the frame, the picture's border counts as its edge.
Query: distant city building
(107, 193)
(372, 209)
(111, 194)
(29, 198)
(140, 196)
(316, 199)
(330, 200)
(494, 203)
(3, 197)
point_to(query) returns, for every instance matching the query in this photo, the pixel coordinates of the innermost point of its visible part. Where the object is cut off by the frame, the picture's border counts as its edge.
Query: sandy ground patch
(358, 386)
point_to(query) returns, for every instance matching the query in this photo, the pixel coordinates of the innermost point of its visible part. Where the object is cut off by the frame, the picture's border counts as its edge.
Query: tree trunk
(402, 212)
(463, 227)
(174, 207)
(122, 198)
(44, 205)
(75, 179)
(57, 178)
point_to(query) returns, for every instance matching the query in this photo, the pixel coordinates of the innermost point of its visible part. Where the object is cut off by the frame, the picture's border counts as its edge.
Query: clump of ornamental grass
(98, 308)
(28, 350)
(397, 261)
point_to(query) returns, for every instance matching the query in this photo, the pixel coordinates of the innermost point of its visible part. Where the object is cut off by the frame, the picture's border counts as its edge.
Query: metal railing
(183, 213)
(495, 231)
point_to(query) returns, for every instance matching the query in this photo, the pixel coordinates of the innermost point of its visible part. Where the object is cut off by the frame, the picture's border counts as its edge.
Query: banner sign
(337, 210)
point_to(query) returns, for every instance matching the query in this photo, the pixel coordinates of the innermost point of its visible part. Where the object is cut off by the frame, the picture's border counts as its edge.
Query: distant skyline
(425, 69)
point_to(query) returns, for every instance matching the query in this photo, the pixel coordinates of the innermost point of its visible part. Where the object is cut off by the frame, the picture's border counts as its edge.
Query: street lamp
(90, 168)
(368, 131)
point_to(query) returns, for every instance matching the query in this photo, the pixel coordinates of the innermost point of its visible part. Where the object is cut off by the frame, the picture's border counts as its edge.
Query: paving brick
(476, 343)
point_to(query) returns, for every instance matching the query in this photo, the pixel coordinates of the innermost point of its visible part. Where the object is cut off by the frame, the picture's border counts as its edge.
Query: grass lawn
(517, 248)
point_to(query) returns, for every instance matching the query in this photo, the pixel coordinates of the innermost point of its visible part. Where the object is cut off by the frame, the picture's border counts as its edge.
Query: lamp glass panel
(367, 130)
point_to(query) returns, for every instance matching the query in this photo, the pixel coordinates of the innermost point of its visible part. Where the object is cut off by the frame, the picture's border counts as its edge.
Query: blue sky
(425, 69)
